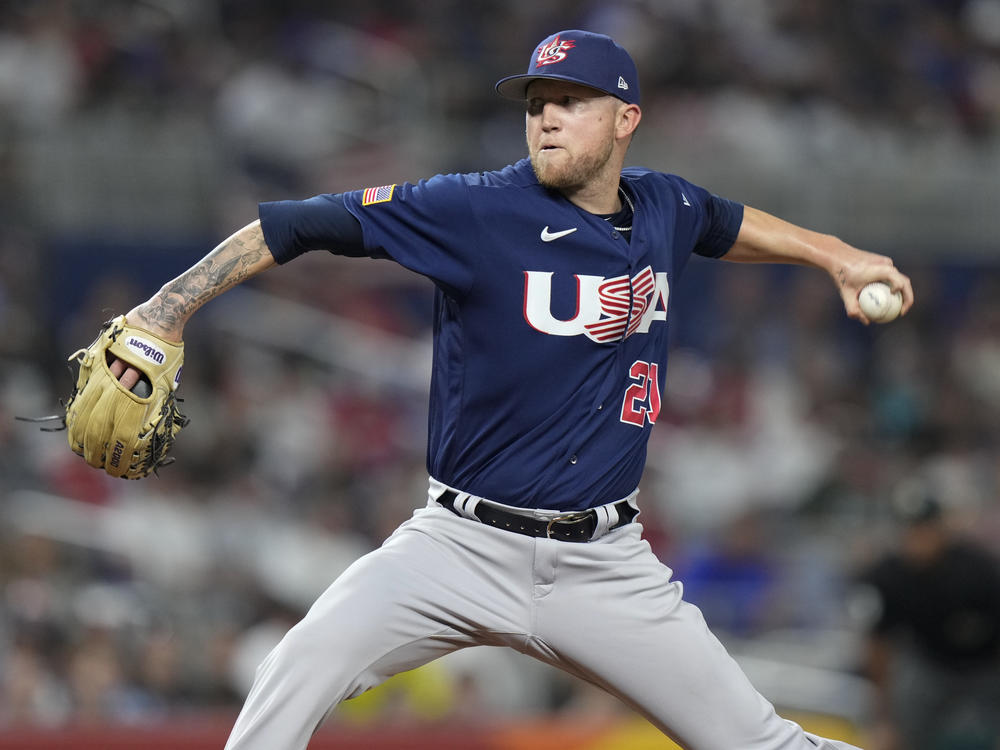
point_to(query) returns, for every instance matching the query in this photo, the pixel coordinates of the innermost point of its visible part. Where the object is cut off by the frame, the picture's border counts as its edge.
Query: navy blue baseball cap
(583, 57)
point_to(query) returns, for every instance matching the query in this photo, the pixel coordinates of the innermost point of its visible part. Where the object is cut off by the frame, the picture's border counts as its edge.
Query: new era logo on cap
(582, 57)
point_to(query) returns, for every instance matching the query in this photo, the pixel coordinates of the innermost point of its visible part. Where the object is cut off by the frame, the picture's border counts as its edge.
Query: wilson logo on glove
(146, 350)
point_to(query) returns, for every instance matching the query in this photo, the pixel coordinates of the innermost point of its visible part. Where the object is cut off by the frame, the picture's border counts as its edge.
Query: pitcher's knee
(321, 645)
(328, 664)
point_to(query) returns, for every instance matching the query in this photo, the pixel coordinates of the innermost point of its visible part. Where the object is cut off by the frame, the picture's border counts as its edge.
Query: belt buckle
(573, 517)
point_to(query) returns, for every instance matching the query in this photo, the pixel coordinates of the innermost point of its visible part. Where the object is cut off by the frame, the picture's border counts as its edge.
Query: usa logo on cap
(582, 57)
(554, 51)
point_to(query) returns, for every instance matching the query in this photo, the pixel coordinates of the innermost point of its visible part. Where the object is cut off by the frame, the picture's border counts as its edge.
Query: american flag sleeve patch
(381, 194)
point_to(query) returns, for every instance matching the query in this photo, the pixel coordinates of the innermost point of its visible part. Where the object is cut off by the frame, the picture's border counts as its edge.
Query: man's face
(570, 131)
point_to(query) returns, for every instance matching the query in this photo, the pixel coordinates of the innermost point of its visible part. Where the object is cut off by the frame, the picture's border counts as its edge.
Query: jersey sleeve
(428, 227)
(320, 223)
(723, 219)
(717, 220)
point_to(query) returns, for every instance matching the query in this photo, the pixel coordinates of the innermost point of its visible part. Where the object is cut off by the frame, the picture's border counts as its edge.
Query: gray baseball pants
(605, 610)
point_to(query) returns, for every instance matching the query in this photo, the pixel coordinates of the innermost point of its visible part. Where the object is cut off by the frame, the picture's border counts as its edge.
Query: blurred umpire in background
(933, 648)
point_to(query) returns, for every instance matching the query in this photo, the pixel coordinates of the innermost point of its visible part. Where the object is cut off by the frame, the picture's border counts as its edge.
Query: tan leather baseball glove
(126, 433)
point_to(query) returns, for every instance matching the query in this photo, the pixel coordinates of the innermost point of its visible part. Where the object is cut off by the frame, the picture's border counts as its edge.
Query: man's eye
(535, 106)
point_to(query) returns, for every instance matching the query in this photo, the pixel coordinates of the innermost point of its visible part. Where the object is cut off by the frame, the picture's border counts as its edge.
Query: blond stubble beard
(574, 175)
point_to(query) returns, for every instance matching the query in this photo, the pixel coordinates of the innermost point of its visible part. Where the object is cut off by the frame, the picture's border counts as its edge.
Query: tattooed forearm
(235, 260)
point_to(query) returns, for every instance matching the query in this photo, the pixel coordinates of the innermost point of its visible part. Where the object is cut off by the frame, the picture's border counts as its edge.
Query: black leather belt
(578, 526)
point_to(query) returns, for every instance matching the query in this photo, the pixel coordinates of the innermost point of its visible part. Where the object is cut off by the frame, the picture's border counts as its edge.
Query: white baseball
(879, 303)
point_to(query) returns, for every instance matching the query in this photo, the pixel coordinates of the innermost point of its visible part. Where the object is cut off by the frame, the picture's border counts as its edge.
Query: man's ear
(627, 120)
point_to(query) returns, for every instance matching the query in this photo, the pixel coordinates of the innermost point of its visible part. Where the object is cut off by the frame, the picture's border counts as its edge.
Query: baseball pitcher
(552, 307)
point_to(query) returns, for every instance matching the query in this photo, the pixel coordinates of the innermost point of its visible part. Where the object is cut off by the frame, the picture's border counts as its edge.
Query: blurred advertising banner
(544, 734)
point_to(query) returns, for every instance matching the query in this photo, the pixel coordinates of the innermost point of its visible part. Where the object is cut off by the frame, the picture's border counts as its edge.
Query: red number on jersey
(642, 398)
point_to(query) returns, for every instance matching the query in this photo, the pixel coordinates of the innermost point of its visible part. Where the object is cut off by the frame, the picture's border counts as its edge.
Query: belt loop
(460, 503)
(607, 517)
(466, 504)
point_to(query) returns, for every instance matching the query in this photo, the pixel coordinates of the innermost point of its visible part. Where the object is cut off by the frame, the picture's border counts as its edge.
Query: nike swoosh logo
(548, 236)
(685, 199)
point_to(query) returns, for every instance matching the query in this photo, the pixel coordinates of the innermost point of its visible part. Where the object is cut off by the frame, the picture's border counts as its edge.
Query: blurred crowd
(184, 113)
(138, 134)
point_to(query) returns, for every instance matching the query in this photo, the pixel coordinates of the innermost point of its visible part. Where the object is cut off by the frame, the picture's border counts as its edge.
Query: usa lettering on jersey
(607, 310)
(554, 51)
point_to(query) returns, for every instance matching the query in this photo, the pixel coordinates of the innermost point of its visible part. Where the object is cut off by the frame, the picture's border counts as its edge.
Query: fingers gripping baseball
(866, 268)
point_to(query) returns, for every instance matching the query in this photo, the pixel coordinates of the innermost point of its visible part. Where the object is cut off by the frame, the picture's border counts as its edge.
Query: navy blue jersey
(550, 329)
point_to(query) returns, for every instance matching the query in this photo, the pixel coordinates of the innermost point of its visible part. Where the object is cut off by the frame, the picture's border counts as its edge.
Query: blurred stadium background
(136, 135)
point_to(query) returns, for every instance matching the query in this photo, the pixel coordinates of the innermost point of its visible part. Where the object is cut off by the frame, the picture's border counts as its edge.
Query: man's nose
(550, 116)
